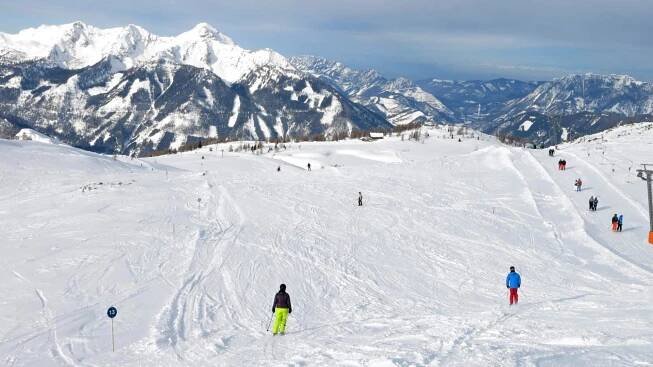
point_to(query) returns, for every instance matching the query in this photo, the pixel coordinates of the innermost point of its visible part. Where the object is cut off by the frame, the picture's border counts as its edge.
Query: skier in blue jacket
(513, 282)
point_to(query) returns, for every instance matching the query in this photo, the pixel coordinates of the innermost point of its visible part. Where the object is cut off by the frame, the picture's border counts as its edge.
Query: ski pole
(270, 322)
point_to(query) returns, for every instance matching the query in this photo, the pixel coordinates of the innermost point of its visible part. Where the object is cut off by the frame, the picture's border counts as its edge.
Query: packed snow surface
(191, 252)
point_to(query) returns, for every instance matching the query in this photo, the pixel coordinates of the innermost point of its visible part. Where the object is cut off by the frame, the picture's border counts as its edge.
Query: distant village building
(376, 136)
(23, 135)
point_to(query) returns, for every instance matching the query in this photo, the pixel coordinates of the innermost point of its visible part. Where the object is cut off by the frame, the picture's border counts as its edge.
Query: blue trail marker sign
(111, 313)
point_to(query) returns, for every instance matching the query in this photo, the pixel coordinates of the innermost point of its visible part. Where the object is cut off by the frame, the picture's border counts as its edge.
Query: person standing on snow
(579, 184)
(281, 309)
(360, 199)
(309, 166)
(615, 222)
(591, 203)
(596, 203)
(620, 222)
(513, 282)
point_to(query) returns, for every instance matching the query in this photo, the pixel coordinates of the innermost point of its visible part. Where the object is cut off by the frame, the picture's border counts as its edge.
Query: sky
(452, 39)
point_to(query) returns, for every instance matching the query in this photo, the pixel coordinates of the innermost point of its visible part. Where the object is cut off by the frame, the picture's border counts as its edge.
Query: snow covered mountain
(400, 100)
(78, 45)
(546, 112)
(593, 93)
(127, 90)
(574, 106)
(465, 97)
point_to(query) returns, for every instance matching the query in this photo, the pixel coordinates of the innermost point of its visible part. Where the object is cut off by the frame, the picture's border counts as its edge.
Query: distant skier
(559, 164)
(578, 184)
(309, 166)
(360, 199)
(278, 168)
(513, 282)
(564, 164)
(281, 309)
(620, 222)
(596, 203)
(615, 222)
(591, 203)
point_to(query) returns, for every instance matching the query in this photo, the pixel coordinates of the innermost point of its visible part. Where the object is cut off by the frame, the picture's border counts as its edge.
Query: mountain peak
(207, 31)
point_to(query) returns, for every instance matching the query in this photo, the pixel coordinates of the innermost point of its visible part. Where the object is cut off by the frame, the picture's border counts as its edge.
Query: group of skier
(617, 222)
(594, 202)
(282, 308)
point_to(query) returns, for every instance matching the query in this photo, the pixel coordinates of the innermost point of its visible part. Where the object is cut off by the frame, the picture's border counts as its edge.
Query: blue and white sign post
(112, 312)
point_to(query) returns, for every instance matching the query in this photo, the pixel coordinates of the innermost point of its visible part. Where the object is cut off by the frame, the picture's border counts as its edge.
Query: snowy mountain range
(127, 90)
(540, 112)
(477, 99)
(400, 100)
(594, 93)
(574, 106)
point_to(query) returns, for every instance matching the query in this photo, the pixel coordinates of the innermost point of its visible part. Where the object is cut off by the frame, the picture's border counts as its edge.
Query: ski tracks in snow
(193, 313)
(592, 226)
(557, 209)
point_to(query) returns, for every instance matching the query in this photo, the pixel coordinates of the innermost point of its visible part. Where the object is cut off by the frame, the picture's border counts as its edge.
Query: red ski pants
(513, 295)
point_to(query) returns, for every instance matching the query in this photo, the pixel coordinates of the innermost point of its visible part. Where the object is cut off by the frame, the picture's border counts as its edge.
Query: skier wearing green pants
(281, 309)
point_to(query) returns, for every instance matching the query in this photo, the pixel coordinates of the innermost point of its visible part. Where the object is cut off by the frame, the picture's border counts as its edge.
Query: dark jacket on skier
(282, 300)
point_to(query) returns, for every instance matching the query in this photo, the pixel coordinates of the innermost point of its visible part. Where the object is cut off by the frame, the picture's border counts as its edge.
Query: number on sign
(112, 312)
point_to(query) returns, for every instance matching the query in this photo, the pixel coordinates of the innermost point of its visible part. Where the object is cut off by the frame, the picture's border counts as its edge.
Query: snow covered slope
(414, 277)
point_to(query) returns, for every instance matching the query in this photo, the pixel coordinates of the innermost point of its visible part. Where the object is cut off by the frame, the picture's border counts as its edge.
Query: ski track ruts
(190, 314)
(639, 208)
(55, 350)
(574, 220)
(583, 223)
(464, 342)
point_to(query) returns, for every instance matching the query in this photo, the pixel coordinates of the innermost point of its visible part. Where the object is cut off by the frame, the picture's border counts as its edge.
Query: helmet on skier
(282, 287)
(512, 268)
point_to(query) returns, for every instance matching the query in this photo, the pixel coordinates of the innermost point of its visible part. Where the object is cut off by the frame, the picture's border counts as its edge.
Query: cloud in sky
(528, 39)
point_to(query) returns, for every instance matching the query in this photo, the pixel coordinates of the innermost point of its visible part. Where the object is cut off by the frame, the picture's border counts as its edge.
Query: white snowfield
(415, 277)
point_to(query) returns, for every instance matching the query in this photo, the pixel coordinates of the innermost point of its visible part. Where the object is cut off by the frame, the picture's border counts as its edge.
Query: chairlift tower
(647, 175)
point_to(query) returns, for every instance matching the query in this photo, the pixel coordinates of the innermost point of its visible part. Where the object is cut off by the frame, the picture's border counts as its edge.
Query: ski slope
(415, 277)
